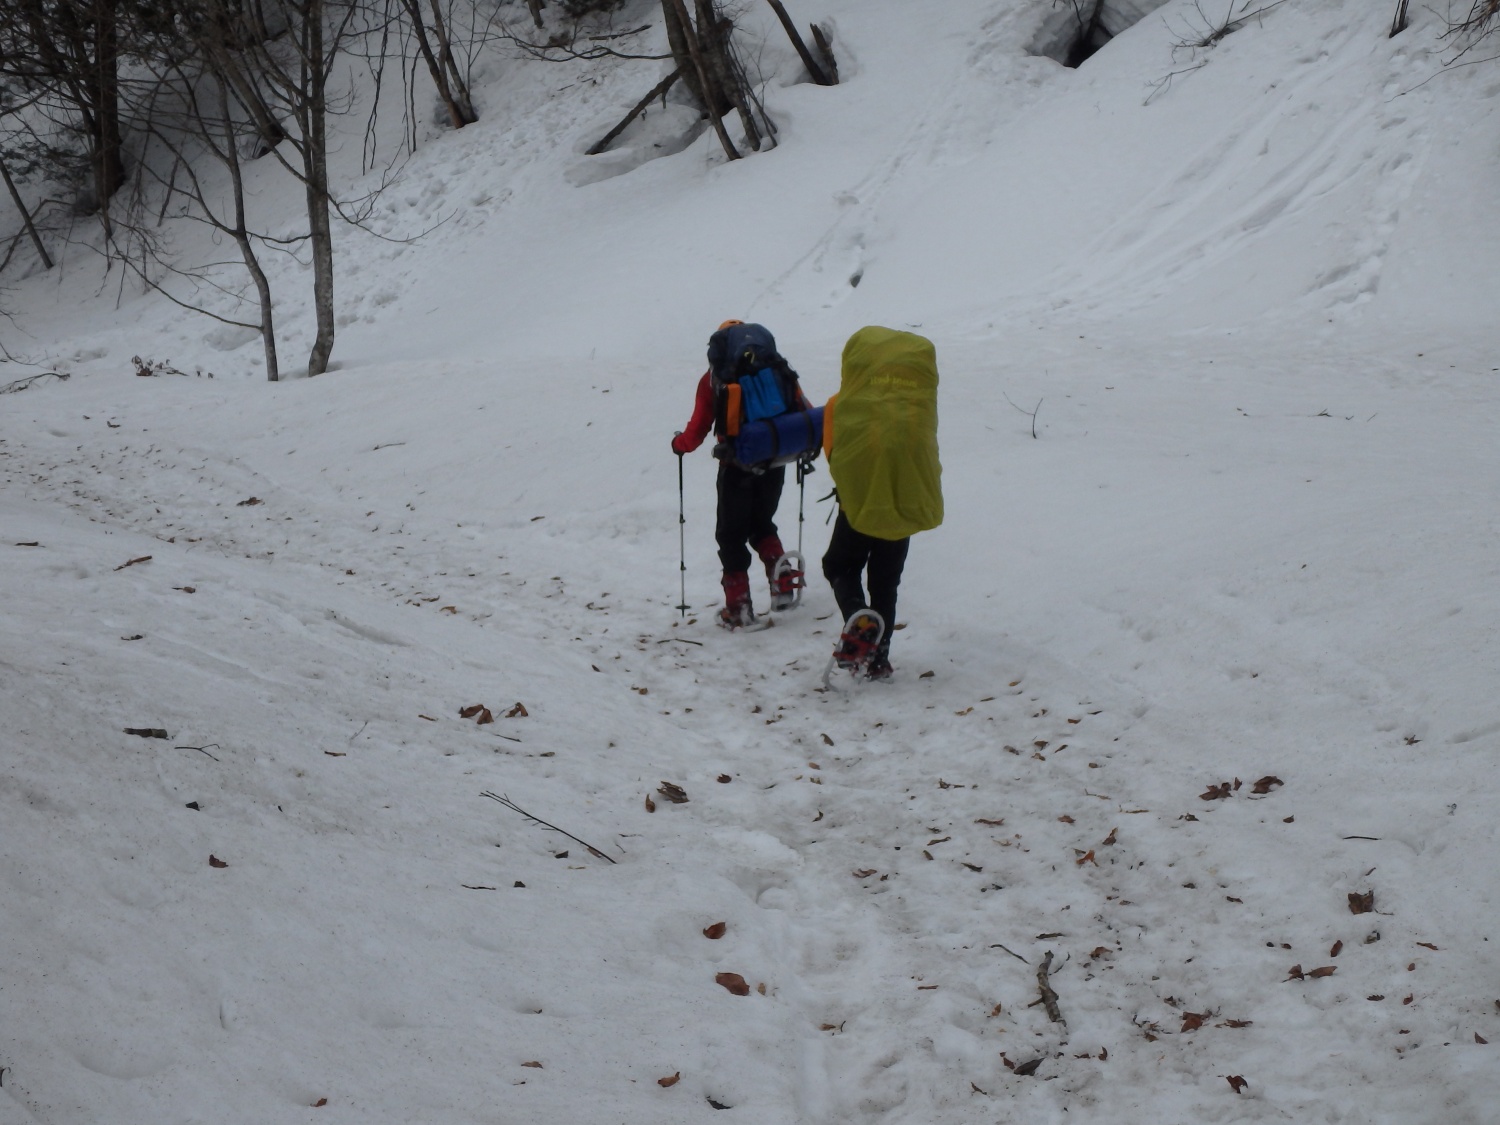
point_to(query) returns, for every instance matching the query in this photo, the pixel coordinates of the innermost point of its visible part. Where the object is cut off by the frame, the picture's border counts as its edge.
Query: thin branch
(515, 808)
(25, 383)
(1029, 413)
(1012, 952)
(201, 749)
(657, 91)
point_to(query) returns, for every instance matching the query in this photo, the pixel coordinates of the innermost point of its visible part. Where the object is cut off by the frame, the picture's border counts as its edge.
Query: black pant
(747, 511)
(849, 553)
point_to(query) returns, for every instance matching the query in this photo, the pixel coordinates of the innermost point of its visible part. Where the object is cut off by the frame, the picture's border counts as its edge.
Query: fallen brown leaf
(215, 861)
(1480, 1038)
(517, 712)
(733, 983)
(1066, 819)
(147, 732)
(716, 931)
(1338, 947)
(650, 804)
(674, 793)
(1192, 1021)
(132, 562)
(536, 1065)
(1266, 784)
(865, 874)
(1109, 841)
(320, 1103)
(670, 1080)
(1217, 792)
(1362, 903)
(1237, 1082)
(1295, 973)
(1323, 971)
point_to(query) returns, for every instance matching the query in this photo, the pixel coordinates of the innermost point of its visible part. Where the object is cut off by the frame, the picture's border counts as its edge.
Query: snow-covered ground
(1255, 539)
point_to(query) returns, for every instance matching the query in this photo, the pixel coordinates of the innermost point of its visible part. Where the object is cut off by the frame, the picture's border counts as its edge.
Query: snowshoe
(788, 580)
(859, 652)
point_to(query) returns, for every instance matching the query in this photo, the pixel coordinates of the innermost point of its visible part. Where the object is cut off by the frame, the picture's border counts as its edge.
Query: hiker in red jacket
(748, 495)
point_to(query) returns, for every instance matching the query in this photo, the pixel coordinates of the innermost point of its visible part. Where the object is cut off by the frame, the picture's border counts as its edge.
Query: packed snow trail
(359, 922)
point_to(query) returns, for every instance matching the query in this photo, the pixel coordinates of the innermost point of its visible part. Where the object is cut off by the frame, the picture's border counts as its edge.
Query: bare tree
(451, 87)
(704, 50)
(65, 54)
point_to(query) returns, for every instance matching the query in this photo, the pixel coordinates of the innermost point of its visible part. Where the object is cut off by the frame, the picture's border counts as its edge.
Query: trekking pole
(801, 500)
(682, 606)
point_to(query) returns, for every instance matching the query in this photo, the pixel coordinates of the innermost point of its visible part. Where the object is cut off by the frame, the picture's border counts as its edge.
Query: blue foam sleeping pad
(780, 440)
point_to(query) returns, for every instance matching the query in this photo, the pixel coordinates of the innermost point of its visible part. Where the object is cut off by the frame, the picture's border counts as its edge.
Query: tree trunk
(808, 61)
(460, 89)
(419, 29)
(1398, 24)
(241, 236)
(713, 39)
(705, 78)
(677, 42)
(109, 165)
(314, 113)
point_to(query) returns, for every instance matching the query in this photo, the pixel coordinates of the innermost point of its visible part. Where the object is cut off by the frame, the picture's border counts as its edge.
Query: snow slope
(1254, 537)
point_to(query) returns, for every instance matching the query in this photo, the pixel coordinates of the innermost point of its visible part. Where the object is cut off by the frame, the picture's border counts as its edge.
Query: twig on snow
(201, 749)
(1029, 413)
(1012, 952)
(1049, 997)
(24, 383)
(515, 808)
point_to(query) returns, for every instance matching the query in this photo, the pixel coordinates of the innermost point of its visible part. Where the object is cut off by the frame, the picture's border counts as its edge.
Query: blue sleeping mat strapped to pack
(780, 440)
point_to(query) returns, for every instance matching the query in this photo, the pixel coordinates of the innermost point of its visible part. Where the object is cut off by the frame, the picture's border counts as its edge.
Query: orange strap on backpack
(733, 411)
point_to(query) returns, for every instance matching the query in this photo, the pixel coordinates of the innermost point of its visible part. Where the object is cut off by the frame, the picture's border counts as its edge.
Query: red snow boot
(737, 612)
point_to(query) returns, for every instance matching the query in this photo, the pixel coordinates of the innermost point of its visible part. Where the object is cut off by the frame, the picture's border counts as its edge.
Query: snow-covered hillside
(1253, 540)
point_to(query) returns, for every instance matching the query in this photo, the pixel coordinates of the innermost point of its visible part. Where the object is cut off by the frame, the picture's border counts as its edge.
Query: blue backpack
(751, 381)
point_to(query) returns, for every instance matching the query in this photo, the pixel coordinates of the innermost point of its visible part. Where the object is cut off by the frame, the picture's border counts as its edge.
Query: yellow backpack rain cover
(882, 434)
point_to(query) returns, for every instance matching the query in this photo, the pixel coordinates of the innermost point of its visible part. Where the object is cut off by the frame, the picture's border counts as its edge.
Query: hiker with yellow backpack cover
(880, 438)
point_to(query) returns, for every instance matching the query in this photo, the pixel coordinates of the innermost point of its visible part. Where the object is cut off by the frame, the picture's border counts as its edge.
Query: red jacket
(702, 420)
